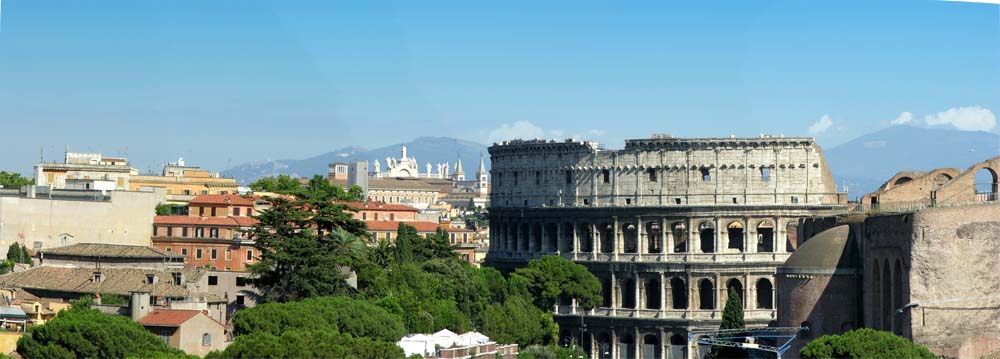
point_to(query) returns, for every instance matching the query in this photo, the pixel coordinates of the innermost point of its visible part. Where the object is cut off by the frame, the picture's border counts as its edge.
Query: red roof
(168, 317)
(206, 221)
(392, 226)
(380, 206)
(222, 199)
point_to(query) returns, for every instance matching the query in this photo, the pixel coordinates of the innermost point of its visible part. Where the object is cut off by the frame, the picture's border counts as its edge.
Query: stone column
(694, 238)
(636, 343)
(560, 237)
(614, 294)
(640, 236)
(543, 243)
(594, 349)
(663, 292)
(718, 236)
(664, 343)
(595, 238)
(638, 292)
(576, 240)
(665, 242)
(572, 305)
(614, 343)
(616, 241)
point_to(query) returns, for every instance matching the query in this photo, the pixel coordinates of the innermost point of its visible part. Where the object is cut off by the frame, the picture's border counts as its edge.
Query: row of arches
(643, 344)
(522, 237)
(887, 292)
(650, 293)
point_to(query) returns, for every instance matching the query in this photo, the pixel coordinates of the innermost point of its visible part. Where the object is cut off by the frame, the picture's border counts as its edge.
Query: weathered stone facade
(667, 224)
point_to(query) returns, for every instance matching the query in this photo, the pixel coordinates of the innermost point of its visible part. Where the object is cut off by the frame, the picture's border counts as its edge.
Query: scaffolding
(746, 338)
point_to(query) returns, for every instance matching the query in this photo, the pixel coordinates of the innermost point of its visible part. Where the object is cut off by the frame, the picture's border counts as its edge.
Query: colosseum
(668, 224)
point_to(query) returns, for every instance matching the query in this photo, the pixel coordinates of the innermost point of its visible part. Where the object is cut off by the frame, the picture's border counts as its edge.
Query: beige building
(918, 259)
(192, 331)
(85, 167)
(182, 183)
(42, 218)
(668, 225)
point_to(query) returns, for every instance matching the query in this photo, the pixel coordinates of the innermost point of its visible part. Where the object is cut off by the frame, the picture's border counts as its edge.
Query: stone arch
(678, 293)
(734, 232)
(792, 236)
(604, 346)
(652, 289)
(680, 234)
(653, 233)
(551, 236)
(706, 294)
(606, 292)
(737, 285)
(985, 184)
(706, 233)
(941, 179)
(886, 296)
(631, 236)
(523, 233)
(566, 242)
(902, 180)
(607, 238)
(626, 346)
(536, 238)
(628, 293)
(586, 238)
(678, 346)
(876, 291)
(765, 294)
(650, 346)
(765, 236)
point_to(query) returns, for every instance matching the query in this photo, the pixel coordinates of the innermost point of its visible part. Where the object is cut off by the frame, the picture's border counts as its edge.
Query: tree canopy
(18, 253)
(864, 343)
(87, 333)
(14, 180)
(732, 318)
(554, 277)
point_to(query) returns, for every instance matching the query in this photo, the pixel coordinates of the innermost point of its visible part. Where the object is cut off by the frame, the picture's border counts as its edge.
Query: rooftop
(120, 281)
(223, 199)
(233, 221)
(109, 251)
(168, 317)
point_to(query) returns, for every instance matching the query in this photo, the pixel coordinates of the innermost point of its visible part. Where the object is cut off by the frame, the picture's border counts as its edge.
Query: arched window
(737, 286)
(986, 184)
(628, 293)
(626, 346)
(586, 238)
(792, 236)
(735, 234)
(603, 346)
(653, 293)
(650, 346)
(631, 238)
(607, 239)
(706, 294)
(707, 234)
(678, 293)
(536, 238)
(765, 237)
(679, 232)
(765, 294)
(653, 237)
(606, 292)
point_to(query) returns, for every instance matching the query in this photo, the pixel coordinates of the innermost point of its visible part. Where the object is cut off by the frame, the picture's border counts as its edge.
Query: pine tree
(732, 318)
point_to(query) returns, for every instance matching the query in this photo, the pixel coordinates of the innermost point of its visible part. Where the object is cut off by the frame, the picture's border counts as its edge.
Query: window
(213, 254)
(168, 249)
(204, 191)
(165, 334)
(586, 202)
(150, 279)
(734, 200)
(184, 232)
(606, 176)
(199, 232)
(206, 340)
(213, 280)
(229, 254)
(177, 278)
(241, 281)
(236, 211)
(651, 173)
(765, 174)
(187, 192)
(240, 299)
(364, 216)
(170, 231)
(795, 199)
(628, 201)
(677, 200)
(213, 232)
(706, 175)
(201, 211)
(197, 253)
(213, 211)
(184, 251)
(156, 231)
(538, 177)
(569, 177)
(249, 255)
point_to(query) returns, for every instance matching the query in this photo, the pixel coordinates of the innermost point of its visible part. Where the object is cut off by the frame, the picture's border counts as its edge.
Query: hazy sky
(224, 82)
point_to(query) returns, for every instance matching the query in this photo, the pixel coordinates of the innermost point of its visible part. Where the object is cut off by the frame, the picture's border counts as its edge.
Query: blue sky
(224, 82)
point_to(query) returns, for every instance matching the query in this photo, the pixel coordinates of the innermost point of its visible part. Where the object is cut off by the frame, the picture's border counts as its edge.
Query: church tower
(482, 177)
(459, 175)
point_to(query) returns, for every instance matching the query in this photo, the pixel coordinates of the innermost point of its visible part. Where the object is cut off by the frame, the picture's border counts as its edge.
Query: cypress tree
(732, 318)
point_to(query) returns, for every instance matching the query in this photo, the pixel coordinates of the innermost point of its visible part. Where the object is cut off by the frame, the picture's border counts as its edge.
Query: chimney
(97, 298)
(140, 305)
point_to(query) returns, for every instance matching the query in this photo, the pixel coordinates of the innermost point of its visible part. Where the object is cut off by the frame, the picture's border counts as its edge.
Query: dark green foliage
(18, 253)
(341, 314)
(166, 209)
(519, 321)
(109, 299)
(86, 333)
(551, 352)
(412, 247)
(732, 318)
(282, 184)
(553, 277)
(317, 186)
(864, 343)
(14, 180)
(306, 344)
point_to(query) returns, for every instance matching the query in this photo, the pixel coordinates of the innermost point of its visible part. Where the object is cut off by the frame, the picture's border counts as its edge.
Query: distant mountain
(864, 163)
(425, 149)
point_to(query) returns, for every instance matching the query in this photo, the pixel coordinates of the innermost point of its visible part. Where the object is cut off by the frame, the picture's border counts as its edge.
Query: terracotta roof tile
(222, 199)
(121, 281)
(206, 221)
(391, 226)
(380, 206)
(109, 251)
(168, 317)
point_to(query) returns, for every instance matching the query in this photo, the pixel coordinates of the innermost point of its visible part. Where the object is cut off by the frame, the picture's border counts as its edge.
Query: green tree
(519, 321)
(14, 180)
(296, 344)
(283, 184)
(18, 253)
(554, 277)
(87, 333)
(732, 318)
(864, 343)
(339, 314)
